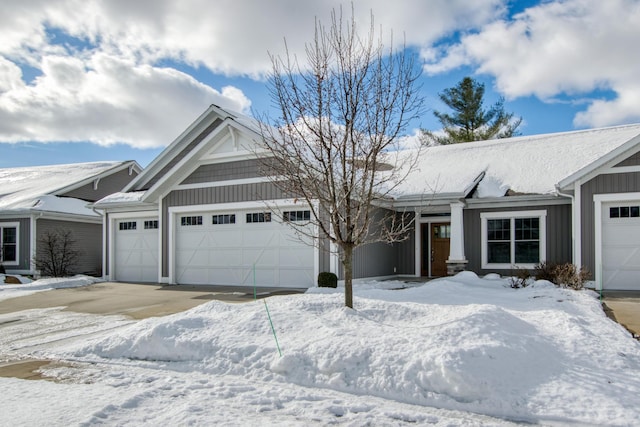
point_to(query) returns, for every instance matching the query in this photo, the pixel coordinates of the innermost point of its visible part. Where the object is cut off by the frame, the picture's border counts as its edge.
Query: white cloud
(100, 79)
(106, 100)
(569, 47)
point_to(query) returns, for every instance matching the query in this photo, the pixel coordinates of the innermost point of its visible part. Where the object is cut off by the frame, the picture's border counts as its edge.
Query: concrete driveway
(624, 308)
(137, 301)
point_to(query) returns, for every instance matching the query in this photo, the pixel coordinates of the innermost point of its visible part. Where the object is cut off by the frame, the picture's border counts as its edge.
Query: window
(258, 217)
(624, 212)
(191, 220)
(224, 219)
(151, 224)
(127, 225)
(297, 215)
(513, 238)
(9, 243)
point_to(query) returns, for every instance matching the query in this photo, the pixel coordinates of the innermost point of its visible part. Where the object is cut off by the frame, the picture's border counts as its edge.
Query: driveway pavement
(137, 301)
(624, 308)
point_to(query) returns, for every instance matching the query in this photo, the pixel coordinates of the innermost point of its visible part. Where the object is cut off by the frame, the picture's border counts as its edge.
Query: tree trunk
(347, 262)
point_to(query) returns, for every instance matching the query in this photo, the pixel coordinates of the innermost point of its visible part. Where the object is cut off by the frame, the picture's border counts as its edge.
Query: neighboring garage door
(136, 250)
(241, 248)
(621, 245)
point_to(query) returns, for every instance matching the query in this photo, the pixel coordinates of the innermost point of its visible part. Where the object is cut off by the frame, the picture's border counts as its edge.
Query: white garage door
(136, 250)
(621, 245)
(238, 248)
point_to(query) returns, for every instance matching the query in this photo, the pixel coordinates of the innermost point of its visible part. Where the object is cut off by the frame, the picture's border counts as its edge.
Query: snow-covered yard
(455, 351)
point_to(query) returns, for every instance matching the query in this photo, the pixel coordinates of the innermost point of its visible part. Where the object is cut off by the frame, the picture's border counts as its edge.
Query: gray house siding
(633, 160)
(88, 238)
(558, 234)
(179, 156)
(107, 185)
(209, 196)
(24, 242)
(225, 171)
(601, 184)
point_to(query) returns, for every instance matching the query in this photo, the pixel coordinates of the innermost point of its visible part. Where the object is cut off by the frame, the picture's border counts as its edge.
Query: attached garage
(241, 247)
(620, 245)
(135, 249)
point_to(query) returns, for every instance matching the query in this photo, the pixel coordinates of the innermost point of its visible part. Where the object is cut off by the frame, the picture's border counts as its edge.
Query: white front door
(136, 250)
(240, 247)
(621, 245)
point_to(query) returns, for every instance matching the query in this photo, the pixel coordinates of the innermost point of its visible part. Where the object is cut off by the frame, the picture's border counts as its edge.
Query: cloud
(97, 62)
(105, 100)
(569, 47)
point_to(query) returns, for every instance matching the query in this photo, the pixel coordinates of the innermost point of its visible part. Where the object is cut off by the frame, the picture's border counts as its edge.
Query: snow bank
(29, 287)
(536, 354)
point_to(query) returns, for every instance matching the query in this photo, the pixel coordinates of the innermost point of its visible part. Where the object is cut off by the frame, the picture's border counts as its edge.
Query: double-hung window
(513, 239)
(9, 243)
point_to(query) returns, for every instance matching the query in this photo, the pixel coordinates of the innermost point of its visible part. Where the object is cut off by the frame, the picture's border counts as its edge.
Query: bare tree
(57, 254)
(336, 140)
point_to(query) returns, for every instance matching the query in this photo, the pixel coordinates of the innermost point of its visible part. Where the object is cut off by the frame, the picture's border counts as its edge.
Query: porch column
(457, 261)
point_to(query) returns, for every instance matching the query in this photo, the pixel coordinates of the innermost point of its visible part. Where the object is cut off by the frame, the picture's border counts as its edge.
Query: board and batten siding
(602, 184)
(241, 169)
(107, 185)
(88, 242)
(211, 196)
(24, 249)
(179, 156)
(558, 234)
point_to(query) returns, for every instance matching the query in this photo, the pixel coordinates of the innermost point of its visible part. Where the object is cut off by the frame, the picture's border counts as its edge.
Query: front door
(435, 249)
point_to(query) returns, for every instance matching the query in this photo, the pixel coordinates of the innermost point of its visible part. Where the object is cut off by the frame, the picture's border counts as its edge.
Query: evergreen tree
(470, 121)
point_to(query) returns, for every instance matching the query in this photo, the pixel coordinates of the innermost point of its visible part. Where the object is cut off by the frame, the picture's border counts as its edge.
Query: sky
(85, 80)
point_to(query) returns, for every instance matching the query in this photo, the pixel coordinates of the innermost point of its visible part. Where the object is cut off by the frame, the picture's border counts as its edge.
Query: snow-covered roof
(121, 197)
(37, 187)
(527, 164)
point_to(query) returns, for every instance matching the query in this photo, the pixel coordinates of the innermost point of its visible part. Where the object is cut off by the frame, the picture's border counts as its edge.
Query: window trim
(512, 215)
(15, 225)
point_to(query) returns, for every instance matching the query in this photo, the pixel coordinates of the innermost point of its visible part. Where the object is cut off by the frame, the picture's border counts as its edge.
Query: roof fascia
(171, 151)
(191, 160)
(110, 171)
(609, 159)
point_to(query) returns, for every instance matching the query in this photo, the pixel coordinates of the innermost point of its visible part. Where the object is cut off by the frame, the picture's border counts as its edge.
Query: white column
(456, 251)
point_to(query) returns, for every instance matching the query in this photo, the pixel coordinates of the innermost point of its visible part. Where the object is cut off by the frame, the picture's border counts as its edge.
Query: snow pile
(464, 343)
(29, 287)
(69, 205)
(526, 164)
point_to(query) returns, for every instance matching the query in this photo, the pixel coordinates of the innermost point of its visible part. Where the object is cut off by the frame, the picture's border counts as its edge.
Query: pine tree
(470, 121)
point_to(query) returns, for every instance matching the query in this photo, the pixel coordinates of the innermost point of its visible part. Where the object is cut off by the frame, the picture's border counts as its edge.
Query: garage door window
(151, 225)
(127, 225)
(191, 220)
(223, 219)
(624, 212)
(258, 217)
(297, 215)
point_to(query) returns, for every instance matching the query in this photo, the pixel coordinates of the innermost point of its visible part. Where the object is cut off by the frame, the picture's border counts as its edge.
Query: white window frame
(512, 215)
(15, 225)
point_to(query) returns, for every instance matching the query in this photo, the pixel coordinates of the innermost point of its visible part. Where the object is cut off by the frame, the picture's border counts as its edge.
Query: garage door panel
(234, 253)
(135, 251)
(620, 247)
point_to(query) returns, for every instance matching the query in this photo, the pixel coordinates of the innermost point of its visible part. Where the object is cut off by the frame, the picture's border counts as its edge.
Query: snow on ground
(29, 287)
(454, 351)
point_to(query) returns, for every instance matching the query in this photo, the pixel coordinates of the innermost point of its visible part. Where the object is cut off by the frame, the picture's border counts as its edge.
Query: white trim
(105, 247)
(512, 215)
(230, 182)
(113, 217)
(621, 169)
(33, 241)
(418, 247)
(278, 204)
(598, 200)
(15, 225)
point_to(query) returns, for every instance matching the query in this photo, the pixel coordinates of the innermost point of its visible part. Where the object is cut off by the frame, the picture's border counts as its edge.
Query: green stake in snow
(255, 298)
